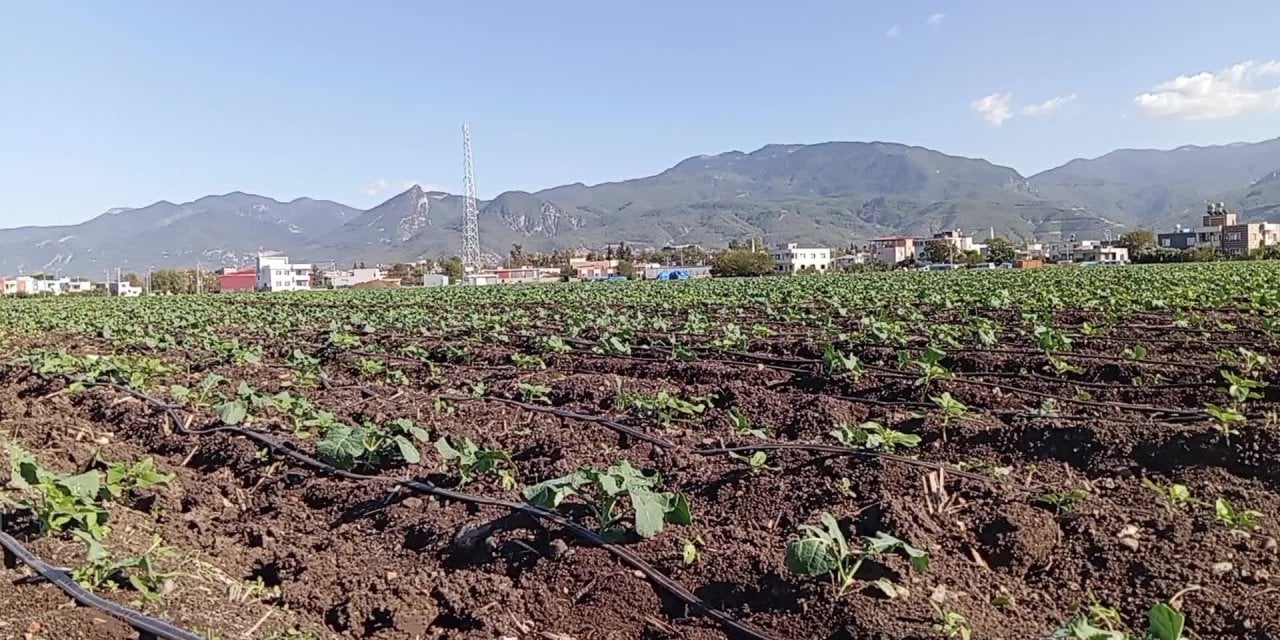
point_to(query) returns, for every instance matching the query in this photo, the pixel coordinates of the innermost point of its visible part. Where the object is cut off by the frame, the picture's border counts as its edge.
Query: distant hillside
(830, 193)
(1157, 188)
(216, 230)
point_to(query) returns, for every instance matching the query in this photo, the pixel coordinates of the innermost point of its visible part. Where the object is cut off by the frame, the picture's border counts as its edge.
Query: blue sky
(107, 104)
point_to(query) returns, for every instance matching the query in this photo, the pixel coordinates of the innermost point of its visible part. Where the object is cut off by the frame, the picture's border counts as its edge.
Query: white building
(894, 249)
(790, 258)
(959, 244)
(351, 277)
(480, 279)
(435, 280)
(123, 288)
(276, 273)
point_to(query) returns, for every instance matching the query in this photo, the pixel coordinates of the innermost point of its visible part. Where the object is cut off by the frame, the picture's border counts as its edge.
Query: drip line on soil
(60, 579)
(425, 487)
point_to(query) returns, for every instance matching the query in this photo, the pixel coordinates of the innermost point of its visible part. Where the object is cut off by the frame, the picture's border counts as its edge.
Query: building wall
(789, 258)
(242, 280)
(1176, 240)
(894, 250)
(276, 273)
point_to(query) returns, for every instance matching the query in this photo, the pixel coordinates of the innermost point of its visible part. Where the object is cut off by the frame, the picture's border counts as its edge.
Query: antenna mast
(470, 213)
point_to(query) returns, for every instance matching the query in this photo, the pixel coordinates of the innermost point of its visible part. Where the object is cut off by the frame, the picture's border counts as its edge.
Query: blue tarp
(673, 274)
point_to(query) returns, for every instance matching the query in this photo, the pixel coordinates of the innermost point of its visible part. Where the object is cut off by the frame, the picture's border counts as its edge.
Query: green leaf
(341, 446)
(811, 557)
(446, 450)
(678, 511)
(233, 412)
(84, 485)
(420, 433)
(1165, 622)
(651, 512)
(407, 451)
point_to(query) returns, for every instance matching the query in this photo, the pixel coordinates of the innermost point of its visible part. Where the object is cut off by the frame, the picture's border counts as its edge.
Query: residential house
(1209, 233)
(435, 280)
(124, 289)
(1102, 255)
(791, 258)
(20, 284)
(237, 280)
(517, 275)
(276, 273)
(894, 249)
(479, 279)
(593, 269)
(1240, 239)
(1178, 239)
(351, 277)
(960, 243)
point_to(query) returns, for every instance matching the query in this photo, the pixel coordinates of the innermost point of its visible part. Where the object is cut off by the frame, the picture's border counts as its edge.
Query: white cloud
(893, 32)
(994, 108)
(376, 187)
(1230, 92)
(1048, 106)
(936, 19)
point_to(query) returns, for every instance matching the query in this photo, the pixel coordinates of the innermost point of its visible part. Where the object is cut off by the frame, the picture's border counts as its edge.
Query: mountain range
(828, 194)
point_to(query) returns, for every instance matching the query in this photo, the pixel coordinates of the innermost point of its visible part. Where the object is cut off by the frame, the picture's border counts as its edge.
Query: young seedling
(1242, 389)
(140, 571)
(929, 367)
(758, 462)
(742, 426)
(1234, 518)
(821, 551)
(950, 408)
(836, 364)
(873, 435)
(689, 553)
(472, 461)
(604, 491)
(1163, 623)
(371, 446)
(123, 480)
(1225, 419)
(60, 502)
(1176, 497)
(1136, 352)
(1063, 501)
(534, 393)
(527, 361)
(950, 624)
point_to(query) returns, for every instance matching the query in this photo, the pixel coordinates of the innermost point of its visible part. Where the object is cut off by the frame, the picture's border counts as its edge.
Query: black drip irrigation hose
(60, 578)
(418, 485)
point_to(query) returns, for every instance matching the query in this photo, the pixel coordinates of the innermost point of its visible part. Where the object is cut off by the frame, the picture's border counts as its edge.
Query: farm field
(1064, 452)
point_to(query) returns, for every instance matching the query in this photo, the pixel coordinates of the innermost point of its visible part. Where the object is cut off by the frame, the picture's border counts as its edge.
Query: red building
(231, 280)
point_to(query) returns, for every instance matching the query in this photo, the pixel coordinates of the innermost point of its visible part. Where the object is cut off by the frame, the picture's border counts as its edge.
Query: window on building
(1165, 242)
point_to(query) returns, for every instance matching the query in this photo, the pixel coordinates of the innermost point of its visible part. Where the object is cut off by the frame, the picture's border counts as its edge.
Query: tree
(627, 269)
(972, 257)
(1138, 241)
(517, 256)
(741, 262)
(1000, 250)
(942, 251)
(453, 269)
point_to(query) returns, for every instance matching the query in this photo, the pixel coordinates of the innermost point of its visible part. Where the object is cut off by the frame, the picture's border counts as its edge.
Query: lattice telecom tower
(470, 213)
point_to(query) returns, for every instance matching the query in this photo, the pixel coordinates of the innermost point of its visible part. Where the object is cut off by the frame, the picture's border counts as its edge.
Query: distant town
(1220, 236)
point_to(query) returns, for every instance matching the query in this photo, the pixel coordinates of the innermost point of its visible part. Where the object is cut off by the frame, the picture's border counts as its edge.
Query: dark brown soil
(347, 559)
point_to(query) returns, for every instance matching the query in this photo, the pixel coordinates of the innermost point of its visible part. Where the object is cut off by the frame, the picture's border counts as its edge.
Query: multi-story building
(276, 273)
(1240, 239)
(1101, 254)
(351, 277)
(20, 284)
(790, 258)
(593, 269)
(1209, 233)
(894, 249)
(959, 244)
